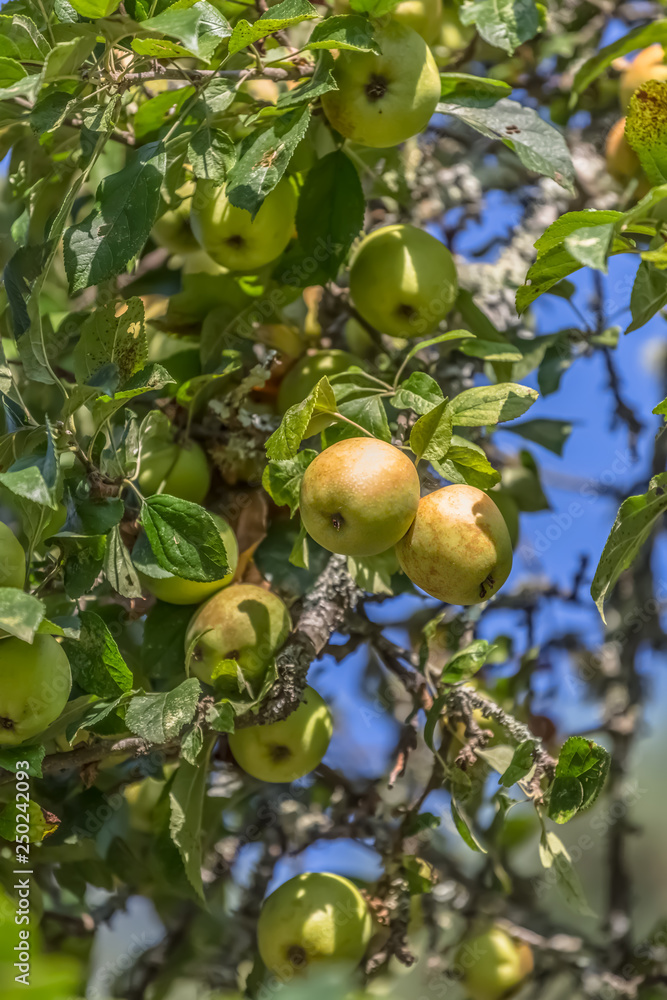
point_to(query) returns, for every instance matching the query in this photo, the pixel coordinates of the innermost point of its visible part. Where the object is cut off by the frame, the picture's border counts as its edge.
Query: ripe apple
(242, 623)
(622, 162)
(174, 589)
(286, 750)
(359, 496)
(172, 230)
(232, 237)
(403, 280)
(35, 684)
(310, 920)
(180, 469)
(493, 964)
(458, 548)
(12, 559)
(508, 508)
(384, 99)
(305, 375)
(647, 65)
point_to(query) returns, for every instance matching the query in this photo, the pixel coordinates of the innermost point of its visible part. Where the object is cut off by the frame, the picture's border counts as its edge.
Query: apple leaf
(344, 31)
(118, 566)
(276, 18)
(554, 854)
(159, 717)
(186, 799)
(638, 38)
(491, 404)
(212, 154)
(184, 538)
(97, 665)
(522, 764)
(20, 614)
(284, 442)
(419, 392)
(648, 296)
(11, 757)
(466, 662)
(634, 523)
(200, 28)
(282, 478)
(431, 435)
(551, 434)
(472, 91)
(462, 824)
(506, 24)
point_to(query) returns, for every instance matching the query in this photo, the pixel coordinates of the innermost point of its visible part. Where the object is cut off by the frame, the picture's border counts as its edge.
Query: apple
(358, 339)
(305, 375)
(12, 559)
(403, 280)
(232, 237)
(172, 230)
(174, 589)
(458, 548)
(242, 623)
(310, 920)
(384, 99)
(493, 963)
(423, 16)
(622, 162)
(286, 750)
(508, 508)
(647, 65)
(179, 470)
(523, 485)
(359, 496)
(35, 684)
(179, 355)
(143, 798)
(454, 35)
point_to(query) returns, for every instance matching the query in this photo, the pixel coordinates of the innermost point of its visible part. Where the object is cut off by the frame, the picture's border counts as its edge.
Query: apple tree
(254, 466)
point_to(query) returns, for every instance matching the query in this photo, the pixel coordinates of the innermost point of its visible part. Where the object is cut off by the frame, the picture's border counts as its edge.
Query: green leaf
(263, 159)
(111, 348)
(96, 661)
(591, 245)
(152, 115)
(432, 719)
(21, 39)
(461, 822)
(186, 798)
(522, 763)
(472, 91)
(94, 8)
(66, 58)
(491, 404)
(321, 82)
(163, 648)
(276, 18)
(419, 392)
(431, 435)
(584, 762)
(35, 476)
(118, 566)
(638, 38)
(554, 854)
(634, 523)
(466, 662)
(200, 28)
(506, 24)
(20, 614)
(11, 71)
(373, 573)
(50, 112)
(490, 350)
(344, 31)
(160, 717)
(282, 478)
(466, 462)
(539, 146)
(10, 758)
(330, 213)
(184, 538)
(551, 434)
(211, 154)
(284, 442)
(648, 296)
(441, 338)
(220, 717)
(126, 206)
(83, 564)
(376, 8)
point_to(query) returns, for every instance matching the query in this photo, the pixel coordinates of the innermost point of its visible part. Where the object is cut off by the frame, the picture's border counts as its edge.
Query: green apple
(458, 548)
(384, 99)
(493, 964)
(286, 750)
(508, 508)
(358, 339)
(232, 237)
(179, 470)
(174, 589)
(35, 684)
(172, 230)
(453, 35)
(403, 281)
(12, 559)
(244, 625)
(523, 485)
(179, 355)
(423, 16)
(305, 375)
(313, 919)
(359, 496)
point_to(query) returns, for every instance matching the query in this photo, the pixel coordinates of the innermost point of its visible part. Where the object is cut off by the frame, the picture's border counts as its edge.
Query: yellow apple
(458, 548)
(232, 237)
(35, 684)
(423, 16)
(403, 280)
(493, 963)
(359, 496)
(242, 624)
(384, 99)
(286, 750)
(311, 920)
(647, 65)
(174, 589)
